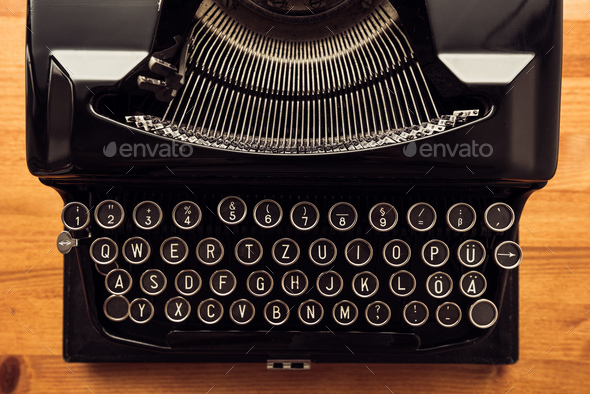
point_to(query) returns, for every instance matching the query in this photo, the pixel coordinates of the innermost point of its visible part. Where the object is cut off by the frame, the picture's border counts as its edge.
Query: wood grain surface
(555, 275)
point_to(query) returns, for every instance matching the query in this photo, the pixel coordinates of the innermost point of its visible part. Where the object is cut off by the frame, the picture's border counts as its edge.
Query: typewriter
(292, 181)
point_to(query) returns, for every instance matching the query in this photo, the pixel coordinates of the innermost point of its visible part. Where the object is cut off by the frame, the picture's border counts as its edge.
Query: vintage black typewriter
(292, 181)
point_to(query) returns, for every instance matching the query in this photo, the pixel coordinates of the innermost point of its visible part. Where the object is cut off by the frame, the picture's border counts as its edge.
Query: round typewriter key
(136, 250)
(259, 283)
(358, 252)
(342, 216)
(402, 283)
(174, 250)
(421, 216)
(242, 311)
(435, 253)
(104, 269)
(345, 312)
(109, 214)
(248, 251)
(415, 313)
(473, 284)
(276, 312)
(147, 215)
(304, 216)
(75, 216)
(232, 210)
(396, 253)
(322, 252)
(186, 215)
(448, 314)
(483, 313)
(471, 253)
(508, 255)
(499, 217)
(210, 251)
(222, 282)
(141, 310)
(210, 311)
(310, 312)
(461, 217)
(188, 282)
(294, 283)
(383, 217)
(116, 308)
(365, 284)
(268, 213)
(118, 282)
(153, 282)
(377, 313)
(329, 284)
(439, 285)
(104, 251)
(177, 309)
(285, 251)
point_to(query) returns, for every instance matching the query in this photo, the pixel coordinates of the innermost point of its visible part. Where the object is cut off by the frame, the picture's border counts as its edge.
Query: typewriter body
(292, 181)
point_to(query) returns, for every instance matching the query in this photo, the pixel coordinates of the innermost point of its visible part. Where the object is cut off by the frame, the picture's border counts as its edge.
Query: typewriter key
(345, 312)
(415, 313)
(448, 314)
(153, 282)
(136, 250)
(118, 282)
(402, 283)
(210, 311)
(471, 253)
(322, 252)
(75, 216)
(508, 255)
(186, 215)
(259, 283)
(358, 252)
(104, 250)
(285, 251)
(222, 282)
(396, 253)
(174, 250)
(188, 282)
(378, 313)
(439, 284)
(383, 217)
(365, 284)
(242, 311)
(473, 284)
(276, 312)
(294, 283)
(268, 213)
(147, 215)
(109, 214)
(304, 216)
(141, 311)
(210, 251)
(310, 312)
(329, 283)
(232, 210)
(177, 309)
(116, 308)
(483, 313)
(421, 217)
(342, 216)
(435, 253)
(248, 251)
(461, 217)
(499, 217)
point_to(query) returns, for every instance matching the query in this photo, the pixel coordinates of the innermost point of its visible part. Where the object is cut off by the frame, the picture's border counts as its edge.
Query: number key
(304, 216)
(75, 216)
(109, 214)
(383, 217)
(232, 210)
(147, 215)
(268, 213)
(186, 215)
(342, 216)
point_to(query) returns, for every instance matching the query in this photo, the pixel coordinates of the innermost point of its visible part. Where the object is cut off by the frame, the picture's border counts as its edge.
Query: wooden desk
(555, 275)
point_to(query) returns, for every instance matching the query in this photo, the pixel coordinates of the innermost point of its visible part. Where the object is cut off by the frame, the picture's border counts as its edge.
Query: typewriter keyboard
(171, 261)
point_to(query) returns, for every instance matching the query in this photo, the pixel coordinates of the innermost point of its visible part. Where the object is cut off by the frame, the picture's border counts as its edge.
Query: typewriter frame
(79, 165)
